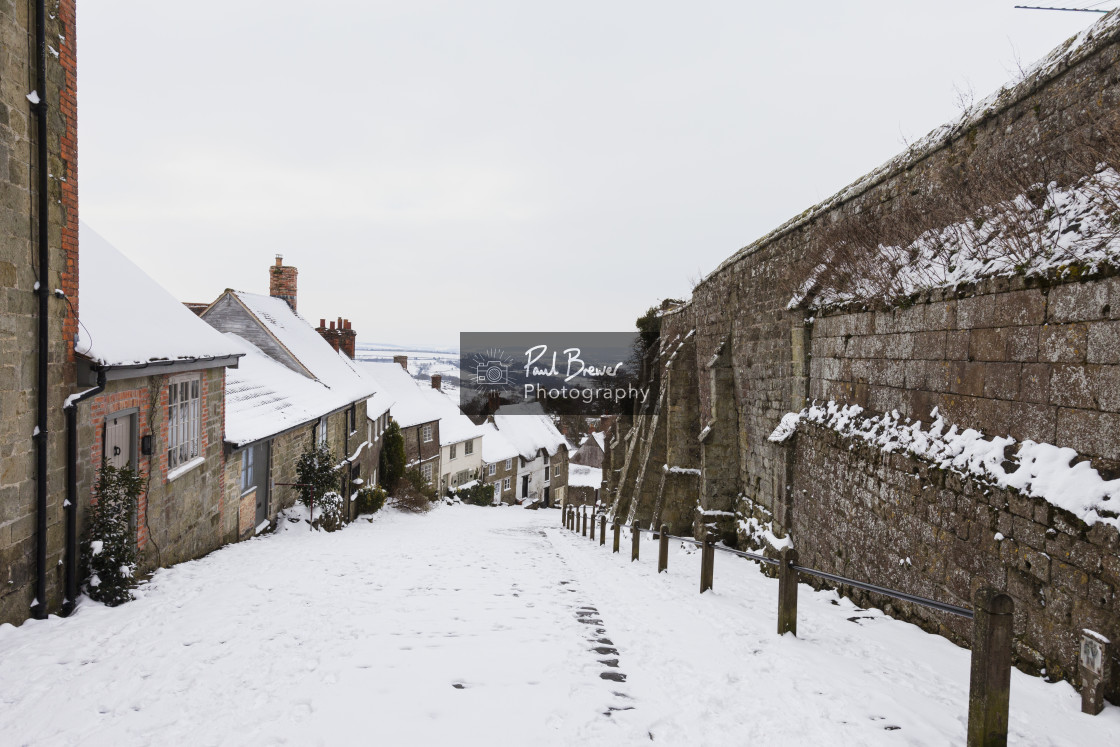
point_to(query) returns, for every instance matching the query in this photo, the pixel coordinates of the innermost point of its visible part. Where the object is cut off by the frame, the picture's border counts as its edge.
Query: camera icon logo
(492, 372)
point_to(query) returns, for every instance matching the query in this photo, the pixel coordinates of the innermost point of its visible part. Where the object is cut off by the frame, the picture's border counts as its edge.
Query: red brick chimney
(282, 281)
(347, 339)
(401, 359)
(437, 381)
(330, 334)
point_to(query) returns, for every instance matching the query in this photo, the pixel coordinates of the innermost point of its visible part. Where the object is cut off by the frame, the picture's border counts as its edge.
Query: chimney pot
(332, 325)
(437, 381)
(322, 324)
(401, 359)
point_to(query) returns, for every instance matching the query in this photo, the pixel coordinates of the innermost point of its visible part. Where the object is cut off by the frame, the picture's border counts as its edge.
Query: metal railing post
(617, 533)
(707, 562)
(603, 530)
(635, 541)
(663, 549)
(989, 690)
(787, 592)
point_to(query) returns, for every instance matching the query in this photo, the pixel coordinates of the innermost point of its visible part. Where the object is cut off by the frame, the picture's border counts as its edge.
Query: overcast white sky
(432, 167)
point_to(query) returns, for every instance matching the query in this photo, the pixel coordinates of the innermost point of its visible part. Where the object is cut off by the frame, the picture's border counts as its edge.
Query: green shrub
(316, 474)
(109, 553)
(391, 463)
(413, 493)
(369, 499)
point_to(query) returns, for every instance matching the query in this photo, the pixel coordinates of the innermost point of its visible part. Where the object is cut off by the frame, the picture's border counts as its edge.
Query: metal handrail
(952, 609)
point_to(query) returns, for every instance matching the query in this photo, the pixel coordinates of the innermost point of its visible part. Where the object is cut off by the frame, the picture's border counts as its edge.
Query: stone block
(967, 379)
(988, 344)
(941, 315)
(956, 345)
(1108, 388)
(1078, 302)
(1103, 343)
(1018, 308)
(1034, 383)
(1074, 386)
(1091, 433)
(975, 312)
(1063, 343)
(1001, 380)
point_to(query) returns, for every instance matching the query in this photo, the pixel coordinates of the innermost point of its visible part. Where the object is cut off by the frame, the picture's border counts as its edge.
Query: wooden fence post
(571, 514)
(707, 562)
(787, 591)
(617, 533)
(591, 526)
(663, 549)
(583, 523)
(635, 541)
(603, 531)
(989, 690)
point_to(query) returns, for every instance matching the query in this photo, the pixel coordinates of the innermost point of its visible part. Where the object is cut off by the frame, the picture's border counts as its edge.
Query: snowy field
(489, 626)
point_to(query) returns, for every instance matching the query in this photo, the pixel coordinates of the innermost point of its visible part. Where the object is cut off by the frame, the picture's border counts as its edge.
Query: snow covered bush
(327, 513)
(316, 474)
(475, 493)
(369, 499)
(109, 553)
(391, 463)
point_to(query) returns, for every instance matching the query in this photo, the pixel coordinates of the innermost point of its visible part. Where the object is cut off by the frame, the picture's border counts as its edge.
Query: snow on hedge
(580, 475)
(1072, 226)
(1038, 469)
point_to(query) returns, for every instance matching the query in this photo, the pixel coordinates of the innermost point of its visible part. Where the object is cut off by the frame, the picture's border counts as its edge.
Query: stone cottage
(295, 390)
(542, 473)
(157, 405)
(413, 412)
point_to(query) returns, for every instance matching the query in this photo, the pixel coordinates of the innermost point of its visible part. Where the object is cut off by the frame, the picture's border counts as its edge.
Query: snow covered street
(490, 625)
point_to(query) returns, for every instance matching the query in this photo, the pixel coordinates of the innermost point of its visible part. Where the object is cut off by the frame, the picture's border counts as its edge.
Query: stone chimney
(282, 281)
(437, 381)
(401, 359)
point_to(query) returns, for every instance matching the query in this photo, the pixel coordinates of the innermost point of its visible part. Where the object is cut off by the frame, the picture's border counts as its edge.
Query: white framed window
(491, 470)
(547, 472)
(509, 464)
(426, 433)
(369, 431)
(505, 484)
(184, 420)
(468, 447)
(352, 419)
(247, 479)
(454, 447)
(546, 459)
(321, 431)
(426, 472)
(556, 471)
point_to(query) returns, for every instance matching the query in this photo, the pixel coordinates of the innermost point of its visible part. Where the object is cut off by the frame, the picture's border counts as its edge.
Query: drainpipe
(70, 409)
(39, 609)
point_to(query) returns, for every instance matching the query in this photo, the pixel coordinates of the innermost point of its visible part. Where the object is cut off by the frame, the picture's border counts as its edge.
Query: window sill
(183, 469)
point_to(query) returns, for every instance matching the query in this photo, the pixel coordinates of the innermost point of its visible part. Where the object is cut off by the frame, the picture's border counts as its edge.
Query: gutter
(39, 608)
(70, 410)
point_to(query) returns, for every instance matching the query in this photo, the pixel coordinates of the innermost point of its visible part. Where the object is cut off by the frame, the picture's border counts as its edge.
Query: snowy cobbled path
(489, 626)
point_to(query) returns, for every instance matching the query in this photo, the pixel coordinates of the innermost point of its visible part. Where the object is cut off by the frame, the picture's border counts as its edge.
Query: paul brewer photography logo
(563, 371)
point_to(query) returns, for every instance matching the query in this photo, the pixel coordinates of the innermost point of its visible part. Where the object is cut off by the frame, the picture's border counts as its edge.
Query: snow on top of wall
(128, 319)
(582, 476)
(332, 368)
(1059, 59)
(495, 446)
(529, 429)
(1037, 469)
(265, 397)
(409, 406)
(1079, 226)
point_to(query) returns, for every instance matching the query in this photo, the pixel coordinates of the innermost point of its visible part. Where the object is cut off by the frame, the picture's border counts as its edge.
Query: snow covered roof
(396, 386)
(529, 429)
(598, 438)
(454, 426)
(495, 446)
(580, 475)
(333, 369)
(128, 319)
(265, 397)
